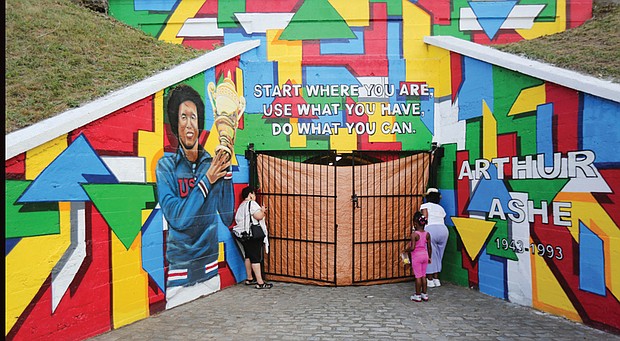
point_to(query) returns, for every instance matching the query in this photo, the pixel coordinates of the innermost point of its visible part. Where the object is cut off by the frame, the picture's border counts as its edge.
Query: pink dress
(419, 256)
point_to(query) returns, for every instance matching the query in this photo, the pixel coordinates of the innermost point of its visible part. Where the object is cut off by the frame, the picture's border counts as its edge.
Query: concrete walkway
(380, 312)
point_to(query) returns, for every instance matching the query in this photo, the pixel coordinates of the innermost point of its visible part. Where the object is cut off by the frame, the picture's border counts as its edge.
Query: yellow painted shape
(424, 63)
(30, 263)
(287, 53)
(378, 120)
(282, 49)
(130, 283)
(184, 10)
(438, 71)
(354, 15)
(289, 70)
(38, 158)
(222, 254)
(473, 233)
(540, 29)
(416, 25)
(151, 143)
(212, 140)
(489, 133)
(547, 294)
(343, 142)
(295, 139)
(239, 81)
(585, 208)
(433, 69)
(528, 100)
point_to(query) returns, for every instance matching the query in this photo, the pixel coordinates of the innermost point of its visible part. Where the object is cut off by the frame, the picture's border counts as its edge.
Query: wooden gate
(338, 218)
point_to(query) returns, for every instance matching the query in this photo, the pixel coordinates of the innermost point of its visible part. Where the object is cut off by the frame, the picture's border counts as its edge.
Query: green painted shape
(447, 168)
(538, 189)
(453, 29)
(547, 14)
(121, 206)
(30, 219)
(501, 232)
(422, 138)
(507, 85)
(259, 131)
(473, 138)
(315, 20)
(394, 7)
(452, 266)
(226, 12)
(150, 22)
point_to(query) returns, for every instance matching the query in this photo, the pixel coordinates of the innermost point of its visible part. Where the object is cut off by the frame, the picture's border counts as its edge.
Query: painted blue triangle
(153, 248)
(61, 180)
(492, 14)
(487, 190)
(9, 244)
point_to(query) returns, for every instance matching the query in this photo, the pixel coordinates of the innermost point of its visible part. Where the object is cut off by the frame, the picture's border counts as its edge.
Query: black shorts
(253, 250)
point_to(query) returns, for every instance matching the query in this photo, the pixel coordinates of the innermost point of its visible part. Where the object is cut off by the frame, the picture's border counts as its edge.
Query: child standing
(421, 250)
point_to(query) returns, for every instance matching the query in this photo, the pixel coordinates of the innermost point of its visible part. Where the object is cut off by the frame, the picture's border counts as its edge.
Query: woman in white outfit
(250, 210)
(435, 215)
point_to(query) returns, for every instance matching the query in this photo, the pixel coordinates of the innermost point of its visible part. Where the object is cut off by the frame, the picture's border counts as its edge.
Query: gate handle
(355, 200)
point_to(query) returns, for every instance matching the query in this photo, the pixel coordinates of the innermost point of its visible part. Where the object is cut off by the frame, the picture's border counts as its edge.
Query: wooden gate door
(339, 219)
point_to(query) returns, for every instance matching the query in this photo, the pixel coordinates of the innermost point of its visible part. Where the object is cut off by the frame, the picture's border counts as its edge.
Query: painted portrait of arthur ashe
(195, 193)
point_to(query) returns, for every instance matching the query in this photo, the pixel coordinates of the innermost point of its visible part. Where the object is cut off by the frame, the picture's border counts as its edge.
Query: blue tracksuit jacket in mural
(192, 207)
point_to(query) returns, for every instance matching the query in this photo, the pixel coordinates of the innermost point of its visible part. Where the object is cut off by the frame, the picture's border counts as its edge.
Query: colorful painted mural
(529, 177)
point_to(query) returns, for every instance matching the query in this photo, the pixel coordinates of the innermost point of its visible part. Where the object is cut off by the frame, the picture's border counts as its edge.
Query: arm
(429, 247)
(260, 213)
(424, 211)
(220, 197)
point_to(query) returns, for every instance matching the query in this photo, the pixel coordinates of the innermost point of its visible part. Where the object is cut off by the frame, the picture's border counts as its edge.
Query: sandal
(250, 282)
(264, 286)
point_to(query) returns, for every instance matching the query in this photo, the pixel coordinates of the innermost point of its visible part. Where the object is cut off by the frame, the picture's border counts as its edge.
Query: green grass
(592, 48)
(60, 55)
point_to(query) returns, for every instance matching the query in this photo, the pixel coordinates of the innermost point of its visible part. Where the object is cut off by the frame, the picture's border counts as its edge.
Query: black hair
(246, 191)
(178, 95)
(420, 218)
(433, 197)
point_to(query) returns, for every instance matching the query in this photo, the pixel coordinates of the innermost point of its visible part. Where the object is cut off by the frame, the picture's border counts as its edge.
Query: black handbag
(256, 231)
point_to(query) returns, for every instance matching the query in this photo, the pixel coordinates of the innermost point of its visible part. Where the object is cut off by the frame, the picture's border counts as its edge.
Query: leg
(248, 270)
(418, 285)
(257, 273)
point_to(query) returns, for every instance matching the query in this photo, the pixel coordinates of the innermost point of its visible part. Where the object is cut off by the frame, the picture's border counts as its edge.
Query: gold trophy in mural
(228, 108)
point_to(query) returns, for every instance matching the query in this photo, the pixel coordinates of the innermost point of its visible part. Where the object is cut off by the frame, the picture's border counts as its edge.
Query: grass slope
(60, 55)
(592, 48)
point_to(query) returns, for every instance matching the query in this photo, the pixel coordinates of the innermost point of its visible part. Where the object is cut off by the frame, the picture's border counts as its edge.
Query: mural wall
(528, 179)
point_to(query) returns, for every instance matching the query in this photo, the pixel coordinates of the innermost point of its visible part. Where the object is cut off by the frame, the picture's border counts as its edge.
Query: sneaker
(416, 298)
(430, 283)
(436, 282)
(424, 297)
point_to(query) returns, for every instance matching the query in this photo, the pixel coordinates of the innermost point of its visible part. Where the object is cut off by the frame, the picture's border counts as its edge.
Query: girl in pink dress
(421, 250)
